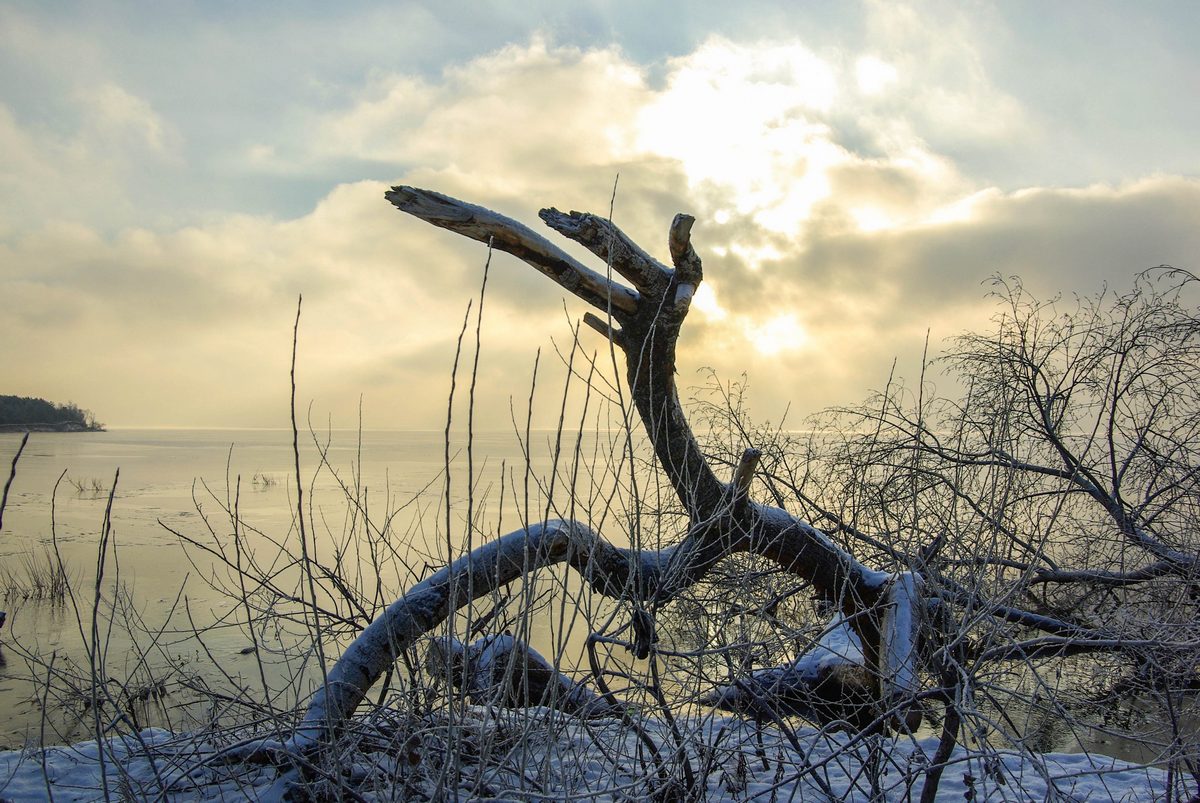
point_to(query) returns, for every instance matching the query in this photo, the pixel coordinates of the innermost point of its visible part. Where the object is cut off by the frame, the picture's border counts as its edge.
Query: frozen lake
(186, 481)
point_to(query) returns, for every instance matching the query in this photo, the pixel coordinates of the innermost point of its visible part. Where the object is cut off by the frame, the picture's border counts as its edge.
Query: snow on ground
(589, 760)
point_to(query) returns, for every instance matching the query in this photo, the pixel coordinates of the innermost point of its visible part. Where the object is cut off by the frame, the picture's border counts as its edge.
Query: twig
(12, 473)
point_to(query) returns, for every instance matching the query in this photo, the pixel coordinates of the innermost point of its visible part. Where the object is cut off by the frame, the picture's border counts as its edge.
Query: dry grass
(36, 576)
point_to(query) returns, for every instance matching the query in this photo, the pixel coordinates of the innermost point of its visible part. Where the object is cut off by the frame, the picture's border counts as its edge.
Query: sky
(174, 175)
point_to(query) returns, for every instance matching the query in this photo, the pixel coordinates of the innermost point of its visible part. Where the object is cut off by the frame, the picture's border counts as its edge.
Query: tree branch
(508, 235)
(605, 240)
(688, 270)
(612, 571)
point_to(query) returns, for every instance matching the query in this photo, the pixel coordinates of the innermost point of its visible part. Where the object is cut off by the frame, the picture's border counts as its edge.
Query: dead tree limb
(505, 671)
(723, 519)
(885, 611)
(514, 238)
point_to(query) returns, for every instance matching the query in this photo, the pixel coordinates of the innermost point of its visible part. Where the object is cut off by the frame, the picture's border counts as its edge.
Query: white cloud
(115, 117)
(511, 119)
(874, 75)
(85, 171)
(742, 120)
(941, 87)
(193, 325)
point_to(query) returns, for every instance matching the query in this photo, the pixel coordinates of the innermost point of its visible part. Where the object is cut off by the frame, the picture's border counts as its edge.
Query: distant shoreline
(62, 426)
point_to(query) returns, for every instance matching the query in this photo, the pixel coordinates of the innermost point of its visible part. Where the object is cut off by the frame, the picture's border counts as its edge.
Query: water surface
(171, 483)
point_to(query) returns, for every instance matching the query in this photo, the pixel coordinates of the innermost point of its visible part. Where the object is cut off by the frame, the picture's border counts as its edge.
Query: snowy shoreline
(736, 763)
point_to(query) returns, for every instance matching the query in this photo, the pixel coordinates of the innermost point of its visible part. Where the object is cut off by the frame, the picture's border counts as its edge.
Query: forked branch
(885, 613)
(506, 234)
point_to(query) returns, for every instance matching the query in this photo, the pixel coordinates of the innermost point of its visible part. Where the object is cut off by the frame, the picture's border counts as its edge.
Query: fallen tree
(644, 323)
(1049, 513)
(954, 568)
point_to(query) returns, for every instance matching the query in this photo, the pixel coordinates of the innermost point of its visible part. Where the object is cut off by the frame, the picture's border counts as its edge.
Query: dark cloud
(1054, 239)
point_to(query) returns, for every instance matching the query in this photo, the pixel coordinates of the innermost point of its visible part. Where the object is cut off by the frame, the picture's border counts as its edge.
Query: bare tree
(1050, 512)
(643, 323)
(1053, 503)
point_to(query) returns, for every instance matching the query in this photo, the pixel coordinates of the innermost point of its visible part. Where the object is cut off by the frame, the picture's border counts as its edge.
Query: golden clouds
(834, 232)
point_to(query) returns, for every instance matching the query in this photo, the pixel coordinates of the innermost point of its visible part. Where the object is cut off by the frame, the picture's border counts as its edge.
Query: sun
(776, 335)
(748, 120)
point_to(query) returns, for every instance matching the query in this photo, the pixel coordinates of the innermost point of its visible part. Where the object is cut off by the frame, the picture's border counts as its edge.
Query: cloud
(119, 119)
(864, 298)
(835, 230)
(83, 171)
(524, 112)
(194, 325)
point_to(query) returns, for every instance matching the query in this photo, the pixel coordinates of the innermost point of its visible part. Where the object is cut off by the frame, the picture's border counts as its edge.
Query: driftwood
(828, 683)
(643, 321)
(884, 615)
(894, 639)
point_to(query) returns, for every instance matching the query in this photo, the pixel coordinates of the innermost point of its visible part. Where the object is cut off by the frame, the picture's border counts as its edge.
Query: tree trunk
(644, 323)
(886, 612)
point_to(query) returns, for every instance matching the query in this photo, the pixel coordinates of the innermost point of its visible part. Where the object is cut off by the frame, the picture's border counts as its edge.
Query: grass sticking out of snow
(540, 754)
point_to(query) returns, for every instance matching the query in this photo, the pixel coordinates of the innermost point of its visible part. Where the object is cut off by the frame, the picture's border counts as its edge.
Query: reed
(36, 576)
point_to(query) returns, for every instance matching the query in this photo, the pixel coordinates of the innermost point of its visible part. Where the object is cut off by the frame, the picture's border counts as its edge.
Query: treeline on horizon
(23, 412)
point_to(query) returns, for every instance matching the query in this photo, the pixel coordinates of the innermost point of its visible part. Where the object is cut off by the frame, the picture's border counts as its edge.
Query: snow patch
(733, 761)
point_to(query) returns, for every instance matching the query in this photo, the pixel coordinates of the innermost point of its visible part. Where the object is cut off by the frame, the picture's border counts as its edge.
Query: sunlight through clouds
(705, 301)
(869, 218)
(961, 210)
(759, 131)
(850, 191)
(739, 120)
(874, 75)
(778, 334)
(754, 255)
